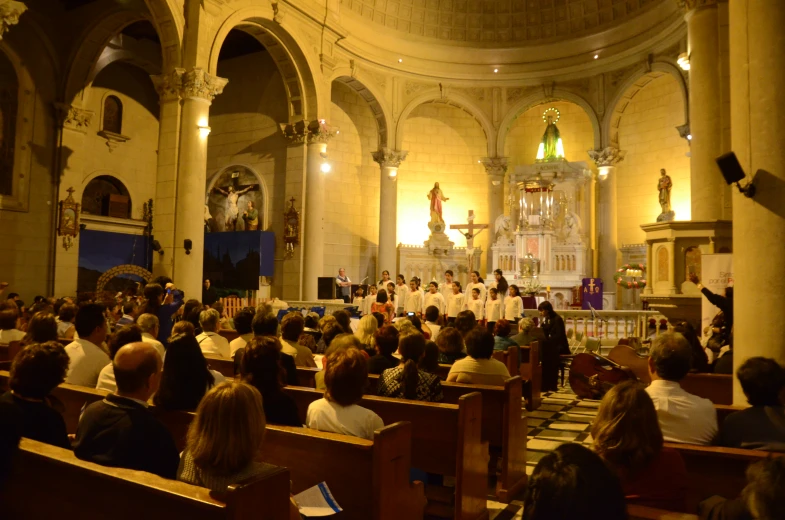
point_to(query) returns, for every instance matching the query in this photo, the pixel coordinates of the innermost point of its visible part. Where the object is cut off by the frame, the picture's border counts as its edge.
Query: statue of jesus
(436, 197)
(232, 211)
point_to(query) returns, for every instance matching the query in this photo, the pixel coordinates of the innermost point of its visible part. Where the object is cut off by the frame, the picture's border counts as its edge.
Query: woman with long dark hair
(42, 328)
(554, 345)
(261, 367)
(382, 305)
(500, 283)
(186, 376)
(407, 381)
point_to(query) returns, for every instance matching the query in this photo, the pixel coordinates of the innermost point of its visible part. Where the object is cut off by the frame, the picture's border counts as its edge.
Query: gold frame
(68, 219)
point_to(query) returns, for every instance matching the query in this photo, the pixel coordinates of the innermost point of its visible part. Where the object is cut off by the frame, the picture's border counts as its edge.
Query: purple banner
(591, 291)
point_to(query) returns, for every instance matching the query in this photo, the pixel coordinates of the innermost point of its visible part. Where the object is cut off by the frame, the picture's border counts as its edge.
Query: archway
(242, 176)
(128, 269)
(106, 196)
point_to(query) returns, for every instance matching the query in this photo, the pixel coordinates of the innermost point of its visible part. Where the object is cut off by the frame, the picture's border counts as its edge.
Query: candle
(547, 288)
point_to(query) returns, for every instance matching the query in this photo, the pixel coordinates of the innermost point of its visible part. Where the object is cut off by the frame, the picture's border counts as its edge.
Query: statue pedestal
(673, 251)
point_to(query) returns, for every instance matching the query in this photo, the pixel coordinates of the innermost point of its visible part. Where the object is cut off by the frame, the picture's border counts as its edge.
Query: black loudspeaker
(326, 288)
(730, 167)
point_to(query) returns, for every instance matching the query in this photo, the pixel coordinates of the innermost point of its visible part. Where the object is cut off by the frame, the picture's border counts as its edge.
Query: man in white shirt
(435, 298)
(292, 325)
(243, 324)
(209, 340)
(432, 314)
(149, 325)
(87, 357)
(683, 417)
(343, 286)
(413, 299)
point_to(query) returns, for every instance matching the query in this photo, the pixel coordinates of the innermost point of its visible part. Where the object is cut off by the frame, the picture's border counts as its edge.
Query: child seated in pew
(261, 368)
(345, 376)
(627, 436)
(573, 483)
(35, 372)
(407, 381)
(478, 368)
(762, 426)
(762, 498)
(225, 438)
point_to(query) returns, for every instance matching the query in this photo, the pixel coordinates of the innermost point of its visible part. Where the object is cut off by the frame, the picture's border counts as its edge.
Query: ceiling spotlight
(325, 167)
(689, 137)
(495, 71)
(596, 56)
(400, 60)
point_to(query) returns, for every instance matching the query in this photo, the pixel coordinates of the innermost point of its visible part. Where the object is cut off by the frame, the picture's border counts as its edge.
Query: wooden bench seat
(650, 513)
(50, 482)
(8, 351)
(717, 388)
(369, 479)
(224, 366)
(445, 440)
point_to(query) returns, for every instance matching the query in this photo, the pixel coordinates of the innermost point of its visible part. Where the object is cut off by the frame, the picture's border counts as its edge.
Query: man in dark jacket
(120, 431)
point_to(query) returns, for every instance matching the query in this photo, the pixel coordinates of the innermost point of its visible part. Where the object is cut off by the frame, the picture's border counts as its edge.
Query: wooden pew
(650, 513)
(446, 440)
(713, 470)
(531, 372)
(369, 479)
(511, 362)
(9, 351)
(230, 335)
(724, 410)
(718, 388)
(222, 365)
(50, 482)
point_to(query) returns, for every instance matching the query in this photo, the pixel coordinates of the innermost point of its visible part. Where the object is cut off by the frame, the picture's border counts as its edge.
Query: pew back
(717, 388)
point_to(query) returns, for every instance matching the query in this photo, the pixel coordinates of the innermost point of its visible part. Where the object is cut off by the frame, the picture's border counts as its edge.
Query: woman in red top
(627, 436)
(383, 306)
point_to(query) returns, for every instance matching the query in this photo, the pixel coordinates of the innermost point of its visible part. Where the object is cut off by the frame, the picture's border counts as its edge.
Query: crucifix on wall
(232, 194)
(472, 230)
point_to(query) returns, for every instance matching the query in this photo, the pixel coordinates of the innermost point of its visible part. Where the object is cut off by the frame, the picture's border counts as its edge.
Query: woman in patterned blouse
(407, 381)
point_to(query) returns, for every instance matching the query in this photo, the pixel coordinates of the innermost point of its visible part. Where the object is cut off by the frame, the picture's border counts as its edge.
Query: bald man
(120, 431)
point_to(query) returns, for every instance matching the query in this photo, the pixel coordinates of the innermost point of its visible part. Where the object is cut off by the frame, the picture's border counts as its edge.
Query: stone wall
(352, 188)
(445, 145)
(647, 132)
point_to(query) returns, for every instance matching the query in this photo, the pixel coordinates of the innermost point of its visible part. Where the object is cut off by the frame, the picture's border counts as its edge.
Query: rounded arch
(122, 269)
(304, 92)
(265, 211)
(132, 192)
(628, 88)
(370, 93)
(537, 98)
(91, 43)
(454, 99)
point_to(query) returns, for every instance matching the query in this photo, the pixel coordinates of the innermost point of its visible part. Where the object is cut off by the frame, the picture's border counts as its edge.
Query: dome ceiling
(497, 22)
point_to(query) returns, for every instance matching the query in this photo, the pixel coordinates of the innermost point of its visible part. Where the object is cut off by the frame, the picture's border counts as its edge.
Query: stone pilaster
(496, 168)
(389, 161)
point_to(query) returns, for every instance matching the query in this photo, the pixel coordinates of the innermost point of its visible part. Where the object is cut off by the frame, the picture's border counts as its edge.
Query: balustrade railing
(608, 324)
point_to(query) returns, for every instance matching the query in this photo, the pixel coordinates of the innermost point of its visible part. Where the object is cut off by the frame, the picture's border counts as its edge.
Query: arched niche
(218, 205)
(112, 115)
(106, 196)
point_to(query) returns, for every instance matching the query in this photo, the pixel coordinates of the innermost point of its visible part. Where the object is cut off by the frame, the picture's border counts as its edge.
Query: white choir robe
(468, 293)
(476, 306)
(513, 307)
(367, 302)
(445, 289)
(359, 301)
(454, 305)
(414, 303)
(501, 296)
(493, 310)
(403, 292)
(437, 300)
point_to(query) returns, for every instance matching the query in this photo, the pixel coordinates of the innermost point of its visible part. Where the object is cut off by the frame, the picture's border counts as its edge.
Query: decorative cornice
(196, 83)
(610, 156)
(389, 158)
(684, 132)
(169, 85)
(74, 118)
(689, 5)
(495, 166)
(10, 11)
(295, 132)
(320, 132)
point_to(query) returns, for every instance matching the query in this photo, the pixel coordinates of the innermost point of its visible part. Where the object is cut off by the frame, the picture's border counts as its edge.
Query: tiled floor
(561, 418)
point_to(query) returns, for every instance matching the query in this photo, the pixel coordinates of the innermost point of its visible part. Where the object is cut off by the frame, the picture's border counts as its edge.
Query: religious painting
(68, 223)
(662, 264)
(291, 235)
(235, 202)
(692, 261)
(237, 260)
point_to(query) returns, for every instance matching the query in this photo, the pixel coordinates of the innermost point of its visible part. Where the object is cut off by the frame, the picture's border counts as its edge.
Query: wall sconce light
(156, 245)
(603, 172)
(204, 128)
(684, 61)
(188, 245)
(733, 172)
(392, 174)
(325, 166)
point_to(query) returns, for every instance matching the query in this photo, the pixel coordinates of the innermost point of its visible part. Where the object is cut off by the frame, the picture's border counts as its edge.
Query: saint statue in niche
(436, 197)
(551, 147)
(664, 186)
(232, 211)
(251, 217)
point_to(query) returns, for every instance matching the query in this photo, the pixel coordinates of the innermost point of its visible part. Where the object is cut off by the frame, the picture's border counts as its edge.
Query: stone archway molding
(122, 269)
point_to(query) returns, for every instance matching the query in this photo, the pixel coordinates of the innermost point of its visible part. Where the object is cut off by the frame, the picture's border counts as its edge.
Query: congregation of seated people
(155, 351)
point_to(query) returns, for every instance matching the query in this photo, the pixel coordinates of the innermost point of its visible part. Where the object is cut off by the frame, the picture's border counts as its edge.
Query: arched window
(107, 196)
(9, 92)
(113, 115)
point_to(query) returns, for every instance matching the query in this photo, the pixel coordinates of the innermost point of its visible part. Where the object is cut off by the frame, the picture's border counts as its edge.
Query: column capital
(689, 5)
(495, 166)
(609, 156)
(320, 132)
(684, 132)
(10, 11)
(198, 84)
(169, 85)
(389, 158)
(73, 118)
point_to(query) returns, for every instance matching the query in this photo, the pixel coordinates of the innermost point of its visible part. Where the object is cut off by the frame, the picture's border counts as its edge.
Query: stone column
(649, 263)
(672, 266)
(313, 246)
(389, 161)
(198, 91)
(757, 57)
(705, 107)
(495, 167)
(296, 158)
(607, 224)
(169, 89)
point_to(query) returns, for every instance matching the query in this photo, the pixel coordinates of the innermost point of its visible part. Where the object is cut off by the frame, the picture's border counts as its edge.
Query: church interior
(620, 161)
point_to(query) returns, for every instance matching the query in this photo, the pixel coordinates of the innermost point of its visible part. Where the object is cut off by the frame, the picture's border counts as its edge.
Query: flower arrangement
(634, 271)
(531, 286)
